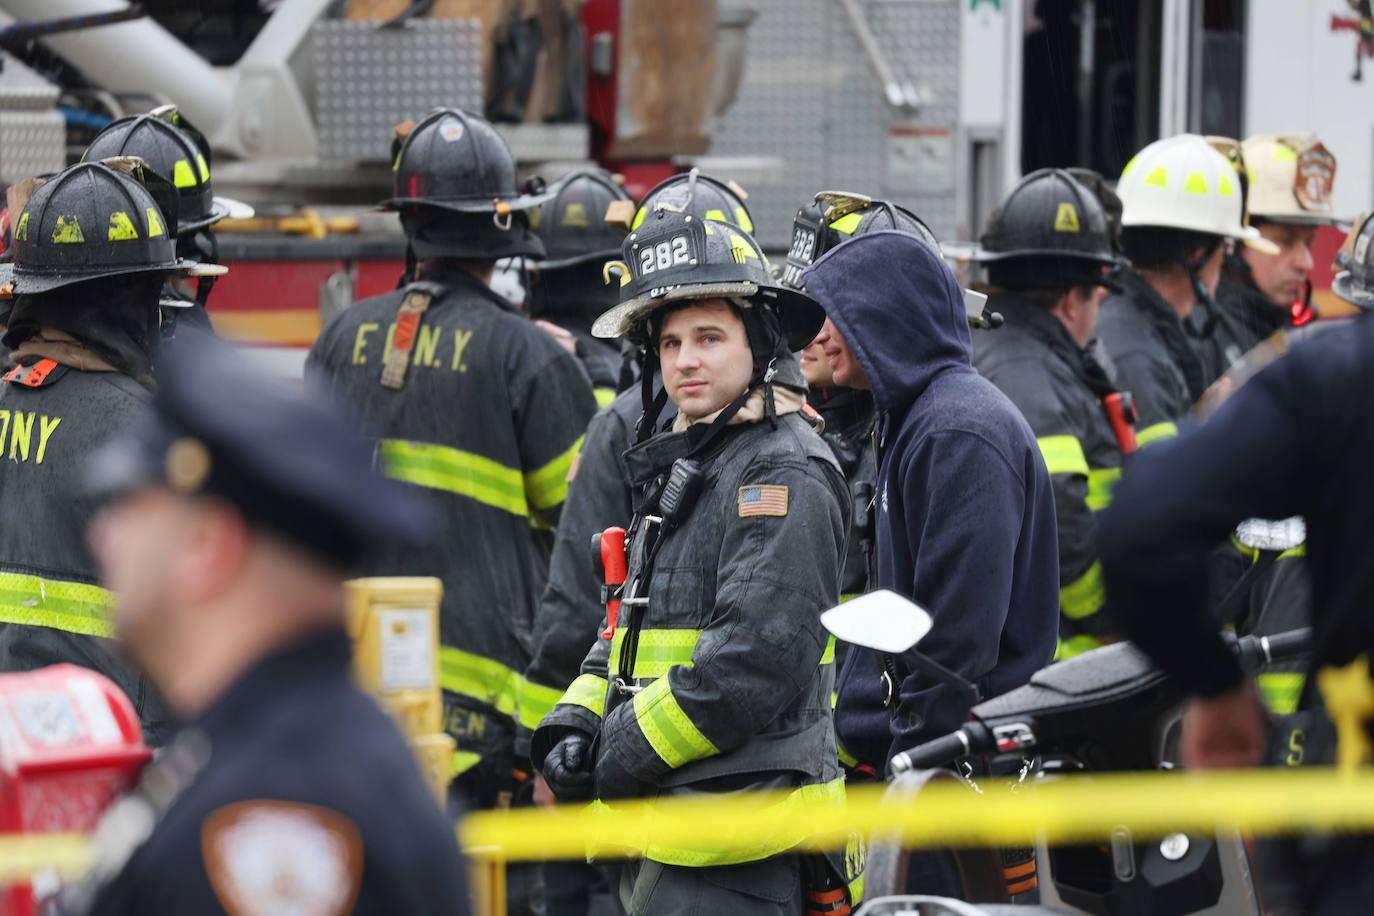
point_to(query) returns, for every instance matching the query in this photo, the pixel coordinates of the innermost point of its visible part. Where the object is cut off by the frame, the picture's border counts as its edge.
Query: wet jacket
(599, 496)
(1059, 389)
(295, 743)
(743, 578)
(849, 418)
(1294, 440)
(488, 424)
(52, 609)
(600, 359)
(965, 522)
(1155, 356)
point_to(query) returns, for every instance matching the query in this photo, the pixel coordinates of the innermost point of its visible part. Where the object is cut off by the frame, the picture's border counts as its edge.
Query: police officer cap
(218, 430)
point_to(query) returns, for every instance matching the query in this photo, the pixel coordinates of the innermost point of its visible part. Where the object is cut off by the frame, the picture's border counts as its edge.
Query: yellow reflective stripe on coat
(461, 762)
(604, 396)
(478, 678)
(750, 812)
(1281, 690)
(439, 467)
(828, 656)
(76, 607)
(1063, 454)
(1084, 596)
(667, 728)
(1075, 645)
(656, 651)
(1155, 433)
(589, 692)
(535, 701)
(659, 650)
(1101, 483)
(548, 486)
(846, 759)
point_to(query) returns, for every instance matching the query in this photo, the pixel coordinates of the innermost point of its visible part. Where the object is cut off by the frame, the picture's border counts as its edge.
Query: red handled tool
(1121, 414)
(613, 565)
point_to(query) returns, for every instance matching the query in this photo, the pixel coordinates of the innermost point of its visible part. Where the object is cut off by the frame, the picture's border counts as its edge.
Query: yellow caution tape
(1071, 809)
(68, 854)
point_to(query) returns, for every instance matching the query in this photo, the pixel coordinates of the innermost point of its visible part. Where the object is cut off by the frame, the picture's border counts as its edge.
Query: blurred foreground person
(92, 249)
(1294, 440)
(229, 526)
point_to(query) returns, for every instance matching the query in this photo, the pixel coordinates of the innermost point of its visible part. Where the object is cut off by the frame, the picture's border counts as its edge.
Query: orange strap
(1021, 870)
(32, 376)
(1029, 884)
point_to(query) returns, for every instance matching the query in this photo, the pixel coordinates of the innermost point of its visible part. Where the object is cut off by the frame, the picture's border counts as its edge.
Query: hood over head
(900, 309)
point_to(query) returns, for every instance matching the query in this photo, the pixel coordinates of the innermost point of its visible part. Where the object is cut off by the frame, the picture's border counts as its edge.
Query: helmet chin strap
(1204, 298)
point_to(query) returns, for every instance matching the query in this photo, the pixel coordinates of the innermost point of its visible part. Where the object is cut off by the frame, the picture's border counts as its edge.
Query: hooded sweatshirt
(965, 511)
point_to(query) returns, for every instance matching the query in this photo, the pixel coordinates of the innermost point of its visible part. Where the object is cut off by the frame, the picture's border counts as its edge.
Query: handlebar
(972, 738)
(1257, 651)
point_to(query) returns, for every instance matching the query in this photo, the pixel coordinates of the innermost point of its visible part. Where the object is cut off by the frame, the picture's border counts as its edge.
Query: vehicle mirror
(882, 620)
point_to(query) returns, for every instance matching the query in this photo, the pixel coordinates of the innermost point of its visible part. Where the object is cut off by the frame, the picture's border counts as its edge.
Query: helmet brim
(981, 255)
(221, 208)
(577, 260)
(799, 316)
(1344, 286)
(28, 283)
(518, 203)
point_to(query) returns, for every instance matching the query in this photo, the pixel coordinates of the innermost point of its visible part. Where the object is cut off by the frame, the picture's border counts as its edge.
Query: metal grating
(369, 80)
(31, 143)
(810, 99)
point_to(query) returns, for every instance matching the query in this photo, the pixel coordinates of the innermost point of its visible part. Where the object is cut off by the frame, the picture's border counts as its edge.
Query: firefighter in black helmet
(1047, 249)
(92, 247)
(567, 289)
(172, 147)
(746, 511)
(477, 408)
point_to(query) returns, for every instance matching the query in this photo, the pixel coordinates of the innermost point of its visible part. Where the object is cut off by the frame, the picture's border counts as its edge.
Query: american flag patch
(762, 499)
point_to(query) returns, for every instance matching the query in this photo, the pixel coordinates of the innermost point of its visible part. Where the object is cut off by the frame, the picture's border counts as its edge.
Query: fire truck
(937, 104)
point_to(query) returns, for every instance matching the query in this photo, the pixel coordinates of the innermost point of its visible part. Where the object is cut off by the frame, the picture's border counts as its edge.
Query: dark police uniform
(488, 425)
(1294, 440)
(291, 791)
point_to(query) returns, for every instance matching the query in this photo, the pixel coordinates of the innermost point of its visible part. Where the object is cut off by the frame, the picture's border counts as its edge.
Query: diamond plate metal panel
(21, 88)
(31, 143)
(369, 80)
(810, 98)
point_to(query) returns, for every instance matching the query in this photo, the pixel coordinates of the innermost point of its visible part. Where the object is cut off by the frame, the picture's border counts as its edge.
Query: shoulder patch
(267, 857)
(36, 375)
(762, 499)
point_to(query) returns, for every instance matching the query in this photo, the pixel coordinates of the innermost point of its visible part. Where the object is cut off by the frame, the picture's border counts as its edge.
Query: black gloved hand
(568, 768)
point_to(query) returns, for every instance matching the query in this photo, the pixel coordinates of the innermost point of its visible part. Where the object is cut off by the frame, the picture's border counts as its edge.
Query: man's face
(704, 352)
(843, 366)
(135, 540)
(815, 367)
(1282, 277)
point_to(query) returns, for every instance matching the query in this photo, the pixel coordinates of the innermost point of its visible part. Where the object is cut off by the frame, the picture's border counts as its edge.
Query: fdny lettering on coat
(24, 436)
(435, 345)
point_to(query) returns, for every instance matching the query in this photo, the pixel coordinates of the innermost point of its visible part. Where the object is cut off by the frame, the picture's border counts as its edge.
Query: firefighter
(599, 497)
(1182, 203)
(228, 527)
(1292, 441)
(92, 248)
(172, 147)
(1288, 197)
(735, 548)
(476, 407)
(1047, 249)
(567, 289)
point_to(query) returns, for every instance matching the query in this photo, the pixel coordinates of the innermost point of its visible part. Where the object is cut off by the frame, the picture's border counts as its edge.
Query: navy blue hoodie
(965, 514)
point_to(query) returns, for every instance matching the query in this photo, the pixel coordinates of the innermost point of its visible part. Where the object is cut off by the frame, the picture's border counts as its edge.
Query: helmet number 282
(666, 254)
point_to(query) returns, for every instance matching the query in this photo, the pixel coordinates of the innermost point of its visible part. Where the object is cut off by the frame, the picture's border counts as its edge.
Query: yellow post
(487, 881)
(394, 624)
